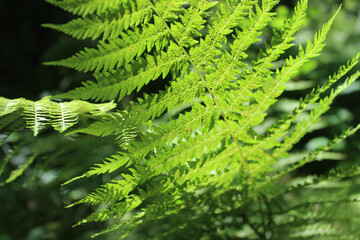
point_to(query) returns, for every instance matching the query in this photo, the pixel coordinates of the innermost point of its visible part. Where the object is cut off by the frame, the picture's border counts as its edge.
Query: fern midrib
(62, 119)
(37, 124)
(290, 69)
(162, 99)
(244, 44)
(212, 95)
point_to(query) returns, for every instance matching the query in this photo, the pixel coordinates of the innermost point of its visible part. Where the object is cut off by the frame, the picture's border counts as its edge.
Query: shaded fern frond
(45, 112)
(112, 124)
(19, 171)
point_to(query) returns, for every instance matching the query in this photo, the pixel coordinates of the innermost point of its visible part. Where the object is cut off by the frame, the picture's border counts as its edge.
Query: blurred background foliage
(32, 206)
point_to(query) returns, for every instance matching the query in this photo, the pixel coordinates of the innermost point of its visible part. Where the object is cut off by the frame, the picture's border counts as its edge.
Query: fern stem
(232, 132)
(269, 210)
(252, 226)
(261, 213)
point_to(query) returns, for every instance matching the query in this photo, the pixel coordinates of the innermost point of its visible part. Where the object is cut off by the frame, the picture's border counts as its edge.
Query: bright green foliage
(191, 158)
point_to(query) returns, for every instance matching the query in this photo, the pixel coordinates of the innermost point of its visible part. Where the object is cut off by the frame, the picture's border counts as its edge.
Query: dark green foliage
(204, 158)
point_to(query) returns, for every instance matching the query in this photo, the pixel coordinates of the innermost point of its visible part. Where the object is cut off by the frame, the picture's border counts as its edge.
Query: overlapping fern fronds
(191, 159)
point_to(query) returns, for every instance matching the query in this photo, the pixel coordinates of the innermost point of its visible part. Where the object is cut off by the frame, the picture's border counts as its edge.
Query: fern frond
(94, 26)
(113, 124)
(188, 88)
(155, 66)
(9, 119)
(111, 192)
(85, 7)
(9, 106)
(279, 43)
(266, 97)
(313, 155)
(303, 127)
(36, 114)
(117, 52)
(117, 210)
(191, 154)
(10, 154)
(19, 171)
(44, 112)
(64, 116)
(280, 128)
